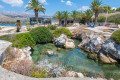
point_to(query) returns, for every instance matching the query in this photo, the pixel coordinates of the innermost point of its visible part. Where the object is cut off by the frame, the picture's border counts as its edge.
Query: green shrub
(116, 36)
(69, 25)
(5, 37)
(52, 27)
(0, 28)
(22, 40)
(41, 34)
(38, 73)
(29, 29)
(101, 19)
(114, 18)
(60, 31)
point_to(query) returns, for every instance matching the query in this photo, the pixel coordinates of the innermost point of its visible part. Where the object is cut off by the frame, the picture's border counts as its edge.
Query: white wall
(54, 21)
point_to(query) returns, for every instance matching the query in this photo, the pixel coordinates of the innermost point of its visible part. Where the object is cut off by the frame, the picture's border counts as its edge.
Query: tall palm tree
(89, 14)
(59, 16)
(37, 7)
(74, 15)
(66, 15)
(96, 7)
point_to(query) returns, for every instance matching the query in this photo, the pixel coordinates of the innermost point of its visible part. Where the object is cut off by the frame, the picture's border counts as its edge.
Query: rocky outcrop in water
(92, 43)
(111, 48)
(106, 49)
(63, 41)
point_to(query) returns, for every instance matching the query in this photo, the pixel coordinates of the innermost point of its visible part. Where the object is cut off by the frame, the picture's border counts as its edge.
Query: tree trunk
(65, 22)
(36, 15)
(59, 22)
(96, 17)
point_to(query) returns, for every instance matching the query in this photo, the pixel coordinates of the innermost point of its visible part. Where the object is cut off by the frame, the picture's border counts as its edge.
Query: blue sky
(53, 5)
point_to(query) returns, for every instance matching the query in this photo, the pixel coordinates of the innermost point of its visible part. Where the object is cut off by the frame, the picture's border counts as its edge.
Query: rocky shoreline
(100, 47)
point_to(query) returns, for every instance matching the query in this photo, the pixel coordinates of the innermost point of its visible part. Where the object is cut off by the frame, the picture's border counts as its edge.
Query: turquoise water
(76, 60)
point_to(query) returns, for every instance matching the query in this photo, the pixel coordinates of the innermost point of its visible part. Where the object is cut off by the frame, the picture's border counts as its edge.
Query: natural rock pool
(77, 60)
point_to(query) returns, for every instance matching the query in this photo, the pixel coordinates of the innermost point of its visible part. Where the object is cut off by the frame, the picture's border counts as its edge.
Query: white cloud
(62, 1)
(17, 3)
(114, 8)
(1, 6)
(69, 3)
(43, 2)
(83, 8)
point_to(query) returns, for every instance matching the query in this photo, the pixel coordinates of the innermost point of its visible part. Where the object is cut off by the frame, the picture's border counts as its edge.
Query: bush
(6, 37)
(52, 27)
(29, 29)
(39, 73)
(116, 36)
(60, 31)
(22, 40)
(41, 34)
(0, 28)
(101, 19)
(69, 25)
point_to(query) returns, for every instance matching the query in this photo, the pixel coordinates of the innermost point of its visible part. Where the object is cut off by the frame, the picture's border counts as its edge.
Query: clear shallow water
(77, 60)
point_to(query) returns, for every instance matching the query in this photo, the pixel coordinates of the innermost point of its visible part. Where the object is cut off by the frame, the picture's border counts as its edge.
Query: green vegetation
(29, 29)
(6, 37)
(22, 40)
(39, 73)
(88, 15)
(27, 23)
(114, 19)
(41, 34)
(59, 16)
(66, 16)
(101, 19)
(107, 8)
(118, 9)
(74, 15)
(0, 28)
(52, 27)
(116, 36)
(69, 25)
(36, 6)
(60, 31)
(96, 7)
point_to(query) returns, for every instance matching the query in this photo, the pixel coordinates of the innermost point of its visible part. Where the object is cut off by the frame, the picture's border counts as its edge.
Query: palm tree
(96, 7)
(89, 14)
(74, 15)
(59, 16)
(37, 7)
(66, 16)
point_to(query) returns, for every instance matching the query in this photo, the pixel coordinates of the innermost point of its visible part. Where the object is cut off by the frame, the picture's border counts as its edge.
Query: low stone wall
(8, 75)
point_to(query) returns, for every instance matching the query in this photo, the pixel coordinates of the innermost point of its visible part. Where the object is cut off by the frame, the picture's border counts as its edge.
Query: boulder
(69, 44)
(107, 60)
(71, 74)
(80, 75)
(63, 41)
(74, 74)
(59, 49)
(50, 52)
(92, 43)
(111, 48)
(60, 41)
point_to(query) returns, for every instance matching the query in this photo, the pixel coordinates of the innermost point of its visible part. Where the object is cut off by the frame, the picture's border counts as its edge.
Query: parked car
(107, 25)
(91, 25)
